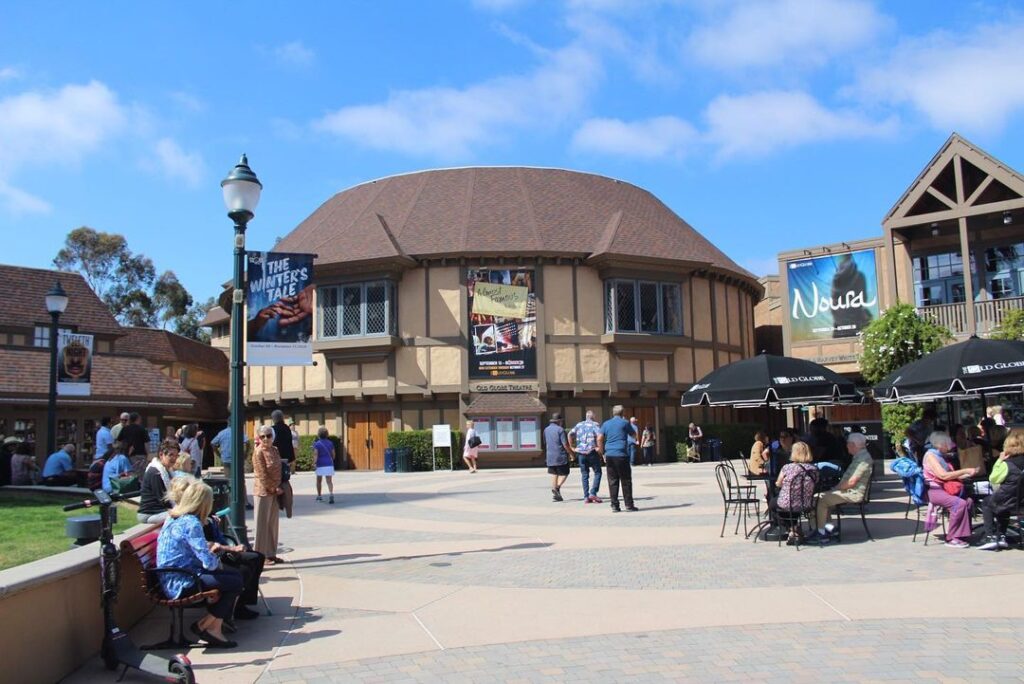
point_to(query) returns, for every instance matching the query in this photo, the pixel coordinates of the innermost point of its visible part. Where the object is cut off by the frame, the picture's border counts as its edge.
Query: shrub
(305, 456)
(420, 442)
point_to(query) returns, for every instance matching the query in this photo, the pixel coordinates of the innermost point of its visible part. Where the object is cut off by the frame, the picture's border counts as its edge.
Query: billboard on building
(502, 323)
(833, 296)
(279, 309)
(74, 364)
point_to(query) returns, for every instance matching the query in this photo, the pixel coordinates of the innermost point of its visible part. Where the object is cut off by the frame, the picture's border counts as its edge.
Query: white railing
(987, 314)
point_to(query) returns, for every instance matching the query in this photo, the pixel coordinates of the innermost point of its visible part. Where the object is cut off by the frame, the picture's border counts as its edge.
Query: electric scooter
(118, 648)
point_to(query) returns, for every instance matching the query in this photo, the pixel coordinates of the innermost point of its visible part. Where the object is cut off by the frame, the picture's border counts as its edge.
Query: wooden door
(366, 436)
(377, 427)
(357, 440)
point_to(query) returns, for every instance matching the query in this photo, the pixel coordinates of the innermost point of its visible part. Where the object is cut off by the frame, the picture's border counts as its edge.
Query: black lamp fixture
(1007, 218)
(56, 304)
(241, 190)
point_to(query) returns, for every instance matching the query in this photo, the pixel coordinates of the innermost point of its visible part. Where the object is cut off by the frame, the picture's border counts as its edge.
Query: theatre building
(952, 245)
(503, 295)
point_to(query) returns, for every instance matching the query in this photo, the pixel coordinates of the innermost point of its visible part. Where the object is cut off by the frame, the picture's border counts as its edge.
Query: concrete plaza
(478, 578)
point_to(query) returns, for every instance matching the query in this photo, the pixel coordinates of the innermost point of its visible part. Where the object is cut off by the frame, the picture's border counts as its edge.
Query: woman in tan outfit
(266, 466)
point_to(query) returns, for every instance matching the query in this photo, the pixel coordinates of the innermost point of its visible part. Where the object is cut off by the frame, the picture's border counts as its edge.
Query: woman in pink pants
(937, 472)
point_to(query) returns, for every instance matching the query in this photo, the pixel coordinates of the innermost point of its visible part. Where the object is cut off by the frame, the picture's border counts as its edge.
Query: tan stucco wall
(561, 363)
(701, 303)
(445, 298)
(656, 370)
(411, 304)
(291, 378)
(628, 370)
(590, 301)
(411, 366)
(683, 363)
(594, 363)
(558, 300)
(375, 376)
(446, 365)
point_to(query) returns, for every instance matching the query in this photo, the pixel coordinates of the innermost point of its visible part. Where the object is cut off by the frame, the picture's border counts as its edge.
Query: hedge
(736, 437)
(420, 441)
(305, 457)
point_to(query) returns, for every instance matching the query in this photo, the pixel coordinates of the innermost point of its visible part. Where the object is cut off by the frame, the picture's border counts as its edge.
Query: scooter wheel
(182, 669)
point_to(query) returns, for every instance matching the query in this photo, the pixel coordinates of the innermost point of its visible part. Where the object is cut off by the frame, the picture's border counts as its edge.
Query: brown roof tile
(162, 346)
(498, 403)
(119, 379)
(509, 210)
(214, 316)
(24, 304)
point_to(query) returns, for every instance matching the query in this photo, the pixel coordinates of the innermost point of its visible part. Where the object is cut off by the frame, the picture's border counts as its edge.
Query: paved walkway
(459, 577)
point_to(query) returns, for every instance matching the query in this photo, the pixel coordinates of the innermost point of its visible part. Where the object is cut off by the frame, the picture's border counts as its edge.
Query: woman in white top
(190, 445)
(469, 453)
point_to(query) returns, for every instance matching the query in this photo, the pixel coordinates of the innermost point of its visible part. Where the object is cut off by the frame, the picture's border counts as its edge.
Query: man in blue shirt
(115, 467)
(104, 439)
(583, 440)
(613, 444)
(222, 443)
(556, 448)
(633, 441)
(59, 470)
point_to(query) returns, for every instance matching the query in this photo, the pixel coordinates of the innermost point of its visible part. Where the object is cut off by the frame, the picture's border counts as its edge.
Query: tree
(187, 325)
(894, 339)
(1012, 327)
(128, 285)
(117, 276)
(171, 300)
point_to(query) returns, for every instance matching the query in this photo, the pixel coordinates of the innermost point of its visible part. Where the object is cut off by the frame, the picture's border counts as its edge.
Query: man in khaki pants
(852, 488)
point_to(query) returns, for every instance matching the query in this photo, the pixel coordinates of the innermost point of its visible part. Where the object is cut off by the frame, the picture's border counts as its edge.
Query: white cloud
(757, 33)
(39, 128)
(761, 123)
(188, 101)
(662, 136)
(17, 201)
(175, 162)
(294, 54)
(957, 81)
(451, 122)
(9, 73)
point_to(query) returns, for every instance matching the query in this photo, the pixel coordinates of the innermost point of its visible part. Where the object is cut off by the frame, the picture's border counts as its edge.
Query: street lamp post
(56, 303)
(241, 191)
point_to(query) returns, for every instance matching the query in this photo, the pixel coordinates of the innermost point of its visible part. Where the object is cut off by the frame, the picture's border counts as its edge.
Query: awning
(506, 403)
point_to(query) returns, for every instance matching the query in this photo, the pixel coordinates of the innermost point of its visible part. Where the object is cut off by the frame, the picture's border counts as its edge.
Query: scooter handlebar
(102, 499)
(88, 503)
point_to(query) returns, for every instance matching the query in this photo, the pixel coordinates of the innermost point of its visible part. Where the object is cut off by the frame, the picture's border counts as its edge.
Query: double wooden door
(366, 435)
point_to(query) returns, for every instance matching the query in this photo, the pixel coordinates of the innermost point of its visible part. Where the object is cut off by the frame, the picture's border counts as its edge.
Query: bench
(143, 548)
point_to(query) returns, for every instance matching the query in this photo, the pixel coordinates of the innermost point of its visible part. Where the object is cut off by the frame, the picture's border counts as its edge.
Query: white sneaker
(991, 544)
(957, 544)
(1003, 544)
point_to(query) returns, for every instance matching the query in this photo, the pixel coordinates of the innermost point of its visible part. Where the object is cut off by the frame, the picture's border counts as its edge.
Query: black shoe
(214, 642)
(243, 613)
(556, 495)
(249, 507)
(616, 509)
(632, 509)
(194, 627)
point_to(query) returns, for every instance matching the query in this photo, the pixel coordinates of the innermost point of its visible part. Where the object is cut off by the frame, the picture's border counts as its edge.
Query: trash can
(713, 449)
(390, 460)
(404, 459)
(221, 492)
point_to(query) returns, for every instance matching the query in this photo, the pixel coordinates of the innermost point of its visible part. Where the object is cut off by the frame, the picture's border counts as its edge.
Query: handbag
(953, 487)
(475, 441)
(125, 486)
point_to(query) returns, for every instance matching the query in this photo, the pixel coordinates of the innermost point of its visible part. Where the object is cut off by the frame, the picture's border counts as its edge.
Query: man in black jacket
(283, 439)
(135, 436)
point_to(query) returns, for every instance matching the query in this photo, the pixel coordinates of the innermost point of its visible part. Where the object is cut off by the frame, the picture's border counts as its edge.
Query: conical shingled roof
(506, 211)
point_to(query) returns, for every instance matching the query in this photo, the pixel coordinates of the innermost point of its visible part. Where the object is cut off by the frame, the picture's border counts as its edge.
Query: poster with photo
(279, 309)
(502, 323)
(74, 364)
(832, 296)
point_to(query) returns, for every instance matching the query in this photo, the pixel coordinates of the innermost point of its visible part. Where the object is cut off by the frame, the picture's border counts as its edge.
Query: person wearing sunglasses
(266, 466)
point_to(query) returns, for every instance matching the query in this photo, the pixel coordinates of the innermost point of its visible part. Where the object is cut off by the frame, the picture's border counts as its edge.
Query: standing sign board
(279, 309)
(832, 297)
(74, 364)
(441, 438)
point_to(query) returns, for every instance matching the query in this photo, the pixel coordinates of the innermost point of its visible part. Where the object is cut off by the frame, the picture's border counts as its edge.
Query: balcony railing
(988, 314)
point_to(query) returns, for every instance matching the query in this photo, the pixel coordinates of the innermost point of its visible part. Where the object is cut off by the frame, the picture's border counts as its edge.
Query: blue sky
(767, 125)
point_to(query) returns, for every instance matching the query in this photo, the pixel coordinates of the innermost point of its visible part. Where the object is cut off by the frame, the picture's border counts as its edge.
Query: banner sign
(502, 323)
(832, 296)
(441, 436)
(74, 364)
(279, 309)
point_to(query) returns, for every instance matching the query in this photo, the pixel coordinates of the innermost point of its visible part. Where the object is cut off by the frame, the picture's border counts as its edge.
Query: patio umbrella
(767, 380)
(969, 368)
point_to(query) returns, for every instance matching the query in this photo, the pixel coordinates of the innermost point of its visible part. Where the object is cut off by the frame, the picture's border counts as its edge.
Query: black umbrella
(968, 368)
(767, 380)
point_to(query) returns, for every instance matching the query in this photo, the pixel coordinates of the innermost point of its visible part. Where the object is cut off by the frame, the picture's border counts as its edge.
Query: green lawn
(32, 526)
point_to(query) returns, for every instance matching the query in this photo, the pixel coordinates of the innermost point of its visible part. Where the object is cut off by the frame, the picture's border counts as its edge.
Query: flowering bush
(894, 339)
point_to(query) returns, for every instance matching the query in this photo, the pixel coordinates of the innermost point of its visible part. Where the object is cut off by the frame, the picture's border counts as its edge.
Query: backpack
(912, 476)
